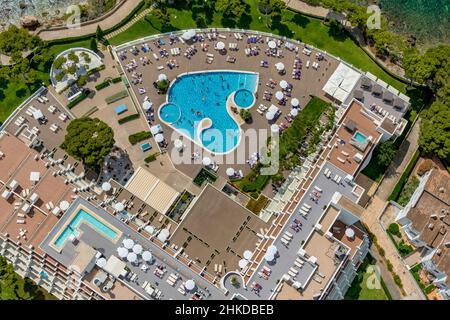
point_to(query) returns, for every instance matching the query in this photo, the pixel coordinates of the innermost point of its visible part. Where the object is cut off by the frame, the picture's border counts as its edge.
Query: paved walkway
(375, 208)
(106, 23)
(306, 8)
(129, 24)
(401, 160)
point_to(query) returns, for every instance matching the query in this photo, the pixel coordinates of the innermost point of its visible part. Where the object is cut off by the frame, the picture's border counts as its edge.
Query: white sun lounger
(307, 205)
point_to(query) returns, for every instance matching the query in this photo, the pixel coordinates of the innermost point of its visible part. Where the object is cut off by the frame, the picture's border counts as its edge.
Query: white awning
(114, 266)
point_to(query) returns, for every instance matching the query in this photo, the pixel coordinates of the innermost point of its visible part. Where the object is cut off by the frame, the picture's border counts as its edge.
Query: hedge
(117, 79)
(404, 177)
(92, 71)
(78, 99)
(139, 136)
(90, 111)
(117, 96)
(102, 85)
(150, 158)
(128, 118)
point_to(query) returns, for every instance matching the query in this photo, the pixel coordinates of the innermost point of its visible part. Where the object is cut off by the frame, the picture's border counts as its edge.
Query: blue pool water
(198, 96)
(360, 137)
(244, 98)
(146, 146)
(83, 216)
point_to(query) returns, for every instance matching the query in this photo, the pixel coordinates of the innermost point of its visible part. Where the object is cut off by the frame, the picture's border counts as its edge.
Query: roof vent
(438, 252)
(433, 216)
(441, 189)
(431, 226)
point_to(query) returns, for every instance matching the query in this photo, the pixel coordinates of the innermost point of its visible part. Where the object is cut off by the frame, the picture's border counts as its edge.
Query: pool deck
(311, 83)
(91, 238)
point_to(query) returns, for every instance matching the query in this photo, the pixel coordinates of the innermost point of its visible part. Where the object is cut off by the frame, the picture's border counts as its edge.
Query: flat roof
(233, 229)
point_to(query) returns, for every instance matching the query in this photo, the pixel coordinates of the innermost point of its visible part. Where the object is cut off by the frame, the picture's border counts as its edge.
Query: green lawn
(359, 289)
(293, 25)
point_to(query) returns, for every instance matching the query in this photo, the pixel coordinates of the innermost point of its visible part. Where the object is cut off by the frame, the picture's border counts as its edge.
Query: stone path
(375, 208)
(306, 8)
(106, 23)
(129, 24)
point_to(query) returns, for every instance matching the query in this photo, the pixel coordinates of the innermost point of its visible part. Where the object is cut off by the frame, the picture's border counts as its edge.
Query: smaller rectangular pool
(146, 146)
(84, 217)
(359, 137)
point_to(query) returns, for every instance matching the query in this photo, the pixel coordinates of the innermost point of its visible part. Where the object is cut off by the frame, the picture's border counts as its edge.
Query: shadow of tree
(228, 22)
(245, 21)
(300, 20)
(22, 92)
(337, 31)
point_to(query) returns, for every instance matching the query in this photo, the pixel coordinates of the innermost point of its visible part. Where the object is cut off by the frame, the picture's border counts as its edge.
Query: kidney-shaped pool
(194, 97)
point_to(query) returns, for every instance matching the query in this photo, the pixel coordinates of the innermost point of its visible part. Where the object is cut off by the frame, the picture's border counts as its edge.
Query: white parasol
(274, 128)
(123, 252)
(128, 243)
(159, 138)
(137, 248)
(243, 263)
(132, 257)
(284, 84)
(272, 44)
(279, 95)
(294, 112)
(279, 66)
(230, 172)
(106, 186)
(178, 144)
(119, 206)
(162, 77)
(206, 161)
(270, 116)
(188, 34)
(190, 285)
(147, 105)
(295, 102)
(248, 254)
(147, 256)
(64, 205)
(220, 45)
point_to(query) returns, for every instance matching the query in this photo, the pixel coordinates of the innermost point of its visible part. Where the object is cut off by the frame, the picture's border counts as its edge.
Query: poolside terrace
(170, 262)
(146, 69)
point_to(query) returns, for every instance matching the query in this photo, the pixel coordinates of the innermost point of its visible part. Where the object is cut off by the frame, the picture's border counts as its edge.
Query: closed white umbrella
(123, 252)
(159, 138)
(147, 105)
(248, 254)
(272, 249)
(220, 45)
(147, 256)
(294, 112)
(106, 186)
(162, 77)
(279, 66)
(274, 128)
(272, 44)
(119, 206)
(188, 34)
(128, 243)
(132, 257)
(269, 257)
(243, 263)
(279, 95)
(230, 172)
(283, 84)
(206, 161)
(137, 248)
(64, 205)
(178, 144)
(270, 116)
(189, 285)
(101, 262)
(295, 102)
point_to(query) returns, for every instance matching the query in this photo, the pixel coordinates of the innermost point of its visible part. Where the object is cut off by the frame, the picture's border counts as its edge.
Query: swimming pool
(359, 137)
(84, 217)
(194, 97)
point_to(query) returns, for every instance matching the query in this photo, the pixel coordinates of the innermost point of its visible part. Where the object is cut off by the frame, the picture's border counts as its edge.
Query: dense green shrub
(404, 177)
(129, 118)
(102, 85)
(78, 99)
(394, 229)
(116, 79)
(139, 136)
(150, 158)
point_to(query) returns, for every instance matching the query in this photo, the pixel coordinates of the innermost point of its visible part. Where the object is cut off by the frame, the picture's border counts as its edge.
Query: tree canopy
(89, 140)
(384, 153)
(14, 41)
(231, 8)
(435, 130)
